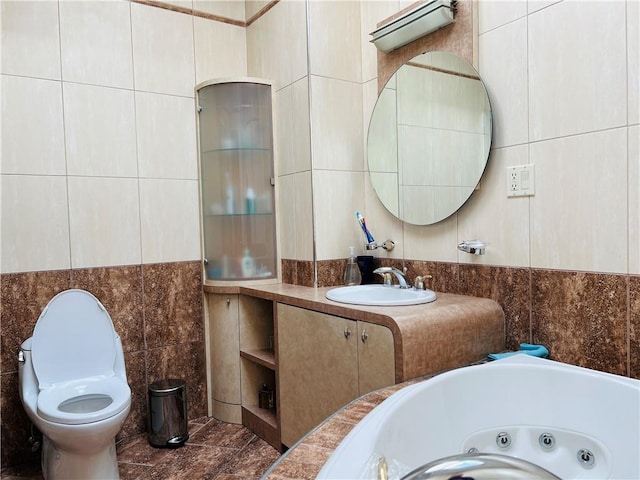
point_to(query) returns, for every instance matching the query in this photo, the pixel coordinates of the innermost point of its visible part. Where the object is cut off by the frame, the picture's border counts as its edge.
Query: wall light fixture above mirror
(414, 24)
(429, 138)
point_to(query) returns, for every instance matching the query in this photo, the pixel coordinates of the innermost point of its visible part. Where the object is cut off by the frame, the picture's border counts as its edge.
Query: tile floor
(215, 451)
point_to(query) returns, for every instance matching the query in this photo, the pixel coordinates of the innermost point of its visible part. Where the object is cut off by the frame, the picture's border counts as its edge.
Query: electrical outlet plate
(521, 181)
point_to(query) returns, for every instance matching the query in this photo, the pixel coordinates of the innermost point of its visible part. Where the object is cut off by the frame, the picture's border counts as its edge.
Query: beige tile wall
(634, 199)
(100, 135)
(163, 52)
(228, 9)
(283, 29)
(572, 111)
(479, 214)
(296, 223)
(44, 48)
(212, 61)
(293, 134)
(336, 196)
(34, 207)
(165, 128)
(504, 70)
(569, 111)
(104, 221)
(334, 36)
(573, 77)
(27, 150)
(99, 164)
(335, 58)
(85, 29)
(145, 77)
(277, 45)
(633, 61)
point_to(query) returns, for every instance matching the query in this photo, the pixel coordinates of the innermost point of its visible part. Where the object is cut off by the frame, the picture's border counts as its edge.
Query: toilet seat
(84, 401)
(73, 338)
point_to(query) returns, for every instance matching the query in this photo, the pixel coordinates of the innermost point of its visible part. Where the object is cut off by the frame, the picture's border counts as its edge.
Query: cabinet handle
(364, 336)
(347, 332)
(228, 301)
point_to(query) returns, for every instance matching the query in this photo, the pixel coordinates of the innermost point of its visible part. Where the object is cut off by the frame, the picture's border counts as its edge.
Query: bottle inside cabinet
(237, 180)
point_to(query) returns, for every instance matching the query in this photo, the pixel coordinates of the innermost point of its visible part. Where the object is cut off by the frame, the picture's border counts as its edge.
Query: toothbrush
(363, 225)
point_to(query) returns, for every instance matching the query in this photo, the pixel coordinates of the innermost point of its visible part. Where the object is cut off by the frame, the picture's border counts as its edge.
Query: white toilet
(73, 385)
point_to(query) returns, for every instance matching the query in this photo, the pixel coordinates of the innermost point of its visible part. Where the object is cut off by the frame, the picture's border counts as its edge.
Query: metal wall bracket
(474, 247)
(388, 245)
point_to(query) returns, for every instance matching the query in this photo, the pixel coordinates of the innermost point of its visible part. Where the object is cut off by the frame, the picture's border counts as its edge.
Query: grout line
(64, 142)
(628, 325)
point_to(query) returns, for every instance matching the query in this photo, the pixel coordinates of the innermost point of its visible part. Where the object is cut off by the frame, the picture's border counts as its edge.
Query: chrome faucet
(386, 271)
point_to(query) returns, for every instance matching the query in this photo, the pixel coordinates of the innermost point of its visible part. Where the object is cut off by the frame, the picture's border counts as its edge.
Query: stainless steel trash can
(168, 413)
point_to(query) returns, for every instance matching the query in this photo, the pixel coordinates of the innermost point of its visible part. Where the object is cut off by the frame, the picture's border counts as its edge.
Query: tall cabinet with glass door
(237, 180)
(239, 243)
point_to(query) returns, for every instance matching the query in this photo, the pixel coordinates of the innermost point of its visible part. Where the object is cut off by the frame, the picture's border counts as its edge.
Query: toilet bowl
(73, 386)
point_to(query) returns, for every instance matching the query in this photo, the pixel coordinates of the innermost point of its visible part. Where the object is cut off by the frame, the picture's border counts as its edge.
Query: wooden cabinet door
(376, 359)
(317, 368)
(224, 348)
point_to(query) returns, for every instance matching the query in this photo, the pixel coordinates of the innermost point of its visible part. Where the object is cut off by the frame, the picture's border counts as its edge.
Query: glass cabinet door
(237, 180)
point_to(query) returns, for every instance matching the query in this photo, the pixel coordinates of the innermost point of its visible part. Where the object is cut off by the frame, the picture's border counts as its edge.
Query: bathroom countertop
(474, 326)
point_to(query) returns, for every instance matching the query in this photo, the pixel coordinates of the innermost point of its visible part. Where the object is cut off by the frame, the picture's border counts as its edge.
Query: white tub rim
(376, 418)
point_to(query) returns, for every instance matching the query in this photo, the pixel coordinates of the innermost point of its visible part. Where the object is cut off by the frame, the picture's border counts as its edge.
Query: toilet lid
(74, 338)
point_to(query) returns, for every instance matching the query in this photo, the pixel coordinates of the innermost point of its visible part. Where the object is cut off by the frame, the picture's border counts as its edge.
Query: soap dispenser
(352, 274)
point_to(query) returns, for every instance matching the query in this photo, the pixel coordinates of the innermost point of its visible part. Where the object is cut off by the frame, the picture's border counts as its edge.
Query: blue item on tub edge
(526, 348)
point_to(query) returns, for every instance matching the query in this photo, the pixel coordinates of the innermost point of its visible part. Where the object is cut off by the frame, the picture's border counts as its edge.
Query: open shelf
(267, 416)
(258, 368)
(263, 423)
(264, 357)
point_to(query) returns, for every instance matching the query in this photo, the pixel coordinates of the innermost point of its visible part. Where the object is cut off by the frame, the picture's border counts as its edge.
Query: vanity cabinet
(242, 359)
(224, 357)
(376, 357)
(315, 355)
(326, 361)
(237, 180)
(311, 362)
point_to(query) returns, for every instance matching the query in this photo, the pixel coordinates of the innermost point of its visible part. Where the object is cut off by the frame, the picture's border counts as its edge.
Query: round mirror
(429, 138)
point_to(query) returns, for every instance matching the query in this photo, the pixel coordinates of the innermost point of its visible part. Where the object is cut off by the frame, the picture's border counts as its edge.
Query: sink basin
(380, 295)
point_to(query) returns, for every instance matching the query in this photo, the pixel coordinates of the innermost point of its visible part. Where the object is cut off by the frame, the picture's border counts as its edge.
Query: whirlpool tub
(574, 422)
